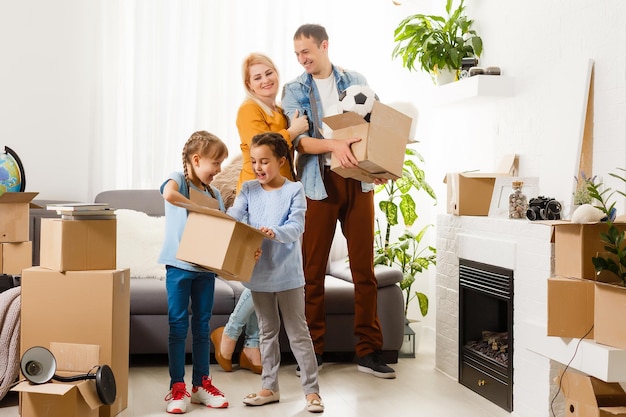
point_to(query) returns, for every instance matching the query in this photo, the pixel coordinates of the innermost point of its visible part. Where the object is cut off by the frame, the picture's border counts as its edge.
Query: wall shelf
(475, 88)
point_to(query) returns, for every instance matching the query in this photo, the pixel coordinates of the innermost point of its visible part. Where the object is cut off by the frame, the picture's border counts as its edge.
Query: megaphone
(38, 366)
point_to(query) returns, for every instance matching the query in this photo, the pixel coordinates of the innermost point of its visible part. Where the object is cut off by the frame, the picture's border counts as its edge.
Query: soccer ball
(359, 99)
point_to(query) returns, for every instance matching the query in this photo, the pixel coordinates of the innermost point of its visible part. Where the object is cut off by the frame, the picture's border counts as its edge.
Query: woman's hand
(299, 124)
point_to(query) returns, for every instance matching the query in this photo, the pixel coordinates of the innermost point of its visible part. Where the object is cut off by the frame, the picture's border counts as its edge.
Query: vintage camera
(466, 64)
(543, 208)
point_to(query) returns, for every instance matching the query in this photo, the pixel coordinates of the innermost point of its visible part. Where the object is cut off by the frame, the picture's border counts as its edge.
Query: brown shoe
(216, 338)
(245, 363)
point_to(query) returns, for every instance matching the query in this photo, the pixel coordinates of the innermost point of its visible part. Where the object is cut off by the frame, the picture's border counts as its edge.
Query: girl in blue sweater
(277, 206)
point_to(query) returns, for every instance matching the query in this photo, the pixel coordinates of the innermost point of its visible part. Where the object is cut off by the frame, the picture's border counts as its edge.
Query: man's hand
(342, 151)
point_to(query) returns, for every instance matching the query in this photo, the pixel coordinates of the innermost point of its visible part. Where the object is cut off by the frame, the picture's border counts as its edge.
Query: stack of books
(83, 211)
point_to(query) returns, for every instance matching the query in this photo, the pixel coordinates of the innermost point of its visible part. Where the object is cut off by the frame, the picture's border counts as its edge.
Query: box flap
(591, 391)
(51, 388)
(12, 198)
(89, 393)
(508, 166)
(343, 120)
(203, 200)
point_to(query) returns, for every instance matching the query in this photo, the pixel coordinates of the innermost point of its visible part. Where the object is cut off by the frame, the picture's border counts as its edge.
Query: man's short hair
(309, 30)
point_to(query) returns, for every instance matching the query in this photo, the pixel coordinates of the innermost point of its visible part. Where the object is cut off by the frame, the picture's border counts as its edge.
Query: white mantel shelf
(604, 362)
(478, 87)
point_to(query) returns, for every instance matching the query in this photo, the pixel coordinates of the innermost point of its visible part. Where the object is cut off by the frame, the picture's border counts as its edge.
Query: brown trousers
(355, 211)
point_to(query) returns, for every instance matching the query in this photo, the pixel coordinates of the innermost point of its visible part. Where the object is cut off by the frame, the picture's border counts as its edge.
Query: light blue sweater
(280, 266)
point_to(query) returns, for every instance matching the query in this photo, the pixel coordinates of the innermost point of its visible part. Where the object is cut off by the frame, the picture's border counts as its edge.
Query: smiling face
(313, 57)
(263, 81)
(204, 169)
(266, 166)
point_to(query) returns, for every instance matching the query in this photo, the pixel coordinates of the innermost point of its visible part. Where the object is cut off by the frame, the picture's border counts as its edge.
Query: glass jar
(518, 203)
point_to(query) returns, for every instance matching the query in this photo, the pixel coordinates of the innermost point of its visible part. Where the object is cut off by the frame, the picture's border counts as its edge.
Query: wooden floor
(418, 390)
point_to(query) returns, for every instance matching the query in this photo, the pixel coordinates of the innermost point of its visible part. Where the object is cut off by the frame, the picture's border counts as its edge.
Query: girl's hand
(267, 231)
(257, 254)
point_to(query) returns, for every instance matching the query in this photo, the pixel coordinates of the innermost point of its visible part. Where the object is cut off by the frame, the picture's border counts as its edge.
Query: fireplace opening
(486, 331)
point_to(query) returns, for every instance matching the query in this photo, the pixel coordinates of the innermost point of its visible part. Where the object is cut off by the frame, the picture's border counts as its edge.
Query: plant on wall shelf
(435, 43)
(614, 239)
(407, 252)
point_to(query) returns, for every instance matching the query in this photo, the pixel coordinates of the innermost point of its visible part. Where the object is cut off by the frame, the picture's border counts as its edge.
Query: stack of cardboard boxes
(77, 296)
(15, 248)
(581, 305)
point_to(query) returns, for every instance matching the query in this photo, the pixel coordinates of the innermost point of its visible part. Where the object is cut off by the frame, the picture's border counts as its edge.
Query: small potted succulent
(437, 44)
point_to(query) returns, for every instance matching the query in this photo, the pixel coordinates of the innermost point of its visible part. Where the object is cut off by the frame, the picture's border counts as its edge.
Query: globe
(11, 172)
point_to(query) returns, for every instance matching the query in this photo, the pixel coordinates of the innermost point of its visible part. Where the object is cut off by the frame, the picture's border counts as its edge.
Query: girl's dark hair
(309, 30)
(278, 145)
(205, 144)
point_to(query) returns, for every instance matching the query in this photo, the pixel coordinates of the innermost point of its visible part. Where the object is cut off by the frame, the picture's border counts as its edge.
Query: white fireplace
(526, 248)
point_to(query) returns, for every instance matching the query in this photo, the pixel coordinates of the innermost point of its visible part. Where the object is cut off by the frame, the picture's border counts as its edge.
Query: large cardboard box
(381, 150)
(15, 256)
(470, 193)
(586, 396)
(78, 245)
(609, 313)
(574, 246)
(85, 307)
(14, 216)
(230, 250)
(64, 399)
(570, 307)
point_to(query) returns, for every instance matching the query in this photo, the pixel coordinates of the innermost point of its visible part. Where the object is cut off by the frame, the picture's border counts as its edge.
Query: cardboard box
(381, 150)
(574, 246)
(469, 193)
(230, 251)
(570, 307)
(586, 396)
(78, 245)
(85, 307)
(609, 313)
(14, 216)
(15, 256)
(64, 399)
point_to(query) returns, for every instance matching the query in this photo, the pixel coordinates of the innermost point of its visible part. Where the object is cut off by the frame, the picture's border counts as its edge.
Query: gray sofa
(148, 302)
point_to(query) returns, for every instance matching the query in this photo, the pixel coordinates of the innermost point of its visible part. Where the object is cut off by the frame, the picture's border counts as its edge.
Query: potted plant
(614, 261)
(407, 252)
(437, 43)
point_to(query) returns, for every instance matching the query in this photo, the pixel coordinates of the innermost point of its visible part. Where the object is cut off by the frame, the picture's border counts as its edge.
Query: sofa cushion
(149, 297)
(385, 275)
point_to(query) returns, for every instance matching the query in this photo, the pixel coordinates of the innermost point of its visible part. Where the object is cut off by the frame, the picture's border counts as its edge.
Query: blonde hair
(204, 144)
(254, 59)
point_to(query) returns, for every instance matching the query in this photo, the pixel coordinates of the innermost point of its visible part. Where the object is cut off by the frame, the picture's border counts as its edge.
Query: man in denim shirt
(331, 197)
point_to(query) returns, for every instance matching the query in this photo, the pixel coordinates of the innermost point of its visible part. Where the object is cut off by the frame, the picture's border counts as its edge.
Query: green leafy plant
(614, 239)
(436, 42)
(407, 252)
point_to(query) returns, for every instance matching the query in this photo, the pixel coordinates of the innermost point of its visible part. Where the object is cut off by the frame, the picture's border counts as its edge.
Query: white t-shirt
(327, 88)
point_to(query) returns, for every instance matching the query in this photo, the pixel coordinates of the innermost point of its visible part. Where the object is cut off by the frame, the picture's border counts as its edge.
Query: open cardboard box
(380, 151)
(64, 399)
(230, 250)
(14, 216)
(574, 246)
(586, 396)
(469, 193)
(570, 307)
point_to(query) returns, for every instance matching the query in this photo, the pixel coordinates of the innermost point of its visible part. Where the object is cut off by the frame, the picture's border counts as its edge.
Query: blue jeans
(182, 286)
(244, 315)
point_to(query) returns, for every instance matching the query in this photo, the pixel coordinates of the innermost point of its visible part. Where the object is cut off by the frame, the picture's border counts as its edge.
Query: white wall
(49, 73)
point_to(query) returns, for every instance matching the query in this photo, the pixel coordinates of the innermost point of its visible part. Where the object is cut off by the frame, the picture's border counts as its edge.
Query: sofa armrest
(385, 275)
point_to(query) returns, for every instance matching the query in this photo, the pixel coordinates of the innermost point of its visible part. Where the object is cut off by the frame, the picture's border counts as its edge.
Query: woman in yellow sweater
(259, 112)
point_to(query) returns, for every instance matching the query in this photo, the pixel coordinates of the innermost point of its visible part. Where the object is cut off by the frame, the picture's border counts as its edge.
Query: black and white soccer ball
(359, 99)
